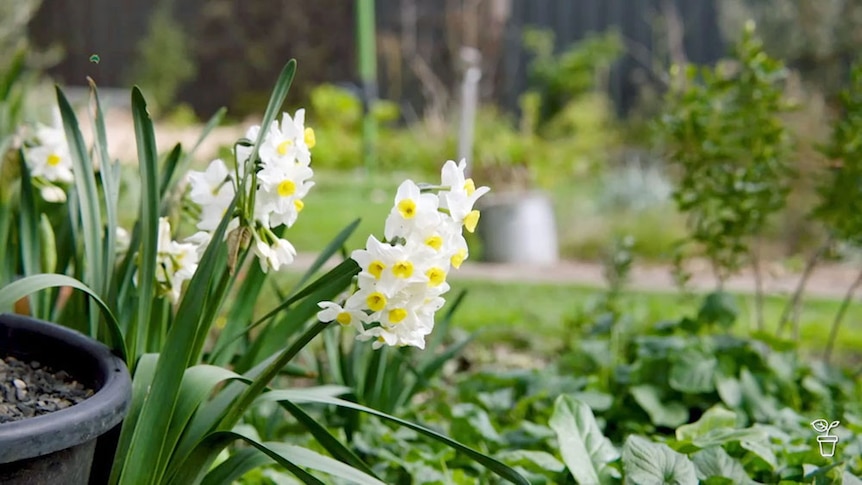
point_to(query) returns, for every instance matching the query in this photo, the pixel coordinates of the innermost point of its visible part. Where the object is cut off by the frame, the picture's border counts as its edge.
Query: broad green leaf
(714, 418)
(655, 463)
(729, 390)
(541, 459)
(470, 423)
(719, 308)
(850, 479)
(148, 218)
(693, 372)
(761, 448)
(495, 466)
(669, 414)
(18, 289)
(585, 450)
(715, 462)
(762, 407)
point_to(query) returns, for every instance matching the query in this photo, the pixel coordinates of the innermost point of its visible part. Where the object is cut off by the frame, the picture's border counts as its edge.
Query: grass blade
(240, 462)
(217, 441)
(197, 384)
(184, 161)
(276, 100)
(330, 443)
(148, 219)
(28, 236)
(145, 369)
(330, 249)
(110, 176)
(88, 204)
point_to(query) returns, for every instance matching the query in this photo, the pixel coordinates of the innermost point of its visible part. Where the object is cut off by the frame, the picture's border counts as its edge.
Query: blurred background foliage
(567, 94)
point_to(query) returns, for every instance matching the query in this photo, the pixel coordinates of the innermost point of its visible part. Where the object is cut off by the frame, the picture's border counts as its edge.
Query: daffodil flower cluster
(49, 161)
(403, 278)
(176, 262)
(281, 179)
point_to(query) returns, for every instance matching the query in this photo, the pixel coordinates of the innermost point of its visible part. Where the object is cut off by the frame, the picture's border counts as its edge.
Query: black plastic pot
(75, 445)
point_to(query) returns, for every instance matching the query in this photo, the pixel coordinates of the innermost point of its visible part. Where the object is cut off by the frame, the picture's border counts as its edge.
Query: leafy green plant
(157, 303)
(723, 134)
(840, 209)
(559, 79)
(165, 61)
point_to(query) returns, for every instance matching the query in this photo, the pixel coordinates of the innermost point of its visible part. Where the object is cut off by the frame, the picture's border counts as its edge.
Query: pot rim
(77, 424)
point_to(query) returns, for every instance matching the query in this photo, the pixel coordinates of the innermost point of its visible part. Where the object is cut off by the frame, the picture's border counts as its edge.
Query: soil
(28, 389)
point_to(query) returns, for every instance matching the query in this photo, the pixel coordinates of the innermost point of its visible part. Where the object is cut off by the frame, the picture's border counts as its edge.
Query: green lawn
(535, 313)
(336, 200)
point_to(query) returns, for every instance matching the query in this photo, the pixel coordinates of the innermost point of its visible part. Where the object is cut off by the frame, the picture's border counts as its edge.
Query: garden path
(828, 281)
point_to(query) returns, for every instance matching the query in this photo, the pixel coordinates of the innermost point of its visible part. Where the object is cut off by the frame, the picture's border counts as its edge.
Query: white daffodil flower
(460, 194)
(52, 193)
(288, 142)
(50, 159)
(175, 262)
(333, 312)
(281, 188)
(412, 210)
(213, 185)
(273, 257)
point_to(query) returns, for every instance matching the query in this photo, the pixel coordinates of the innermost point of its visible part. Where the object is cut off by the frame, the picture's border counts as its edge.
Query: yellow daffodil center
(435, 242)
(54, 160)
(376, 301)
(471, 220)
(376, 268)
(407, 208)
(403, 269)
(458, 258)
(284, 146)
(310, 140)
(436, 276)
(286, 188)
(298, 205)
(343, 318)
(469, 186)
(397, 315)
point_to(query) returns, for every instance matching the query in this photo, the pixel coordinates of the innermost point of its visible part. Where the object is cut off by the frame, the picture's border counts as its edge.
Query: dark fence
(418, 43)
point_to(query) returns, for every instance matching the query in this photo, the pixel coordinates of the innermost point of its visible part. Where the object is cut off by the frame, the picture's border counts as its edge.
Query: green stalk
(368, 73)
